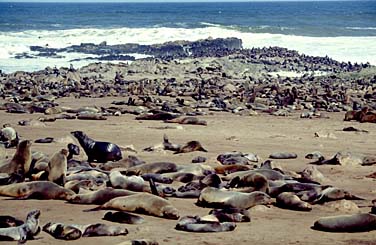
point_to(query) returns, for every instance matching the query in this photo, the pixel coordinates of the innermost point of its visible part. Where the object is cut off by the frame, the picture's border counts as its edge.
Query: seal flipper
(153, 187)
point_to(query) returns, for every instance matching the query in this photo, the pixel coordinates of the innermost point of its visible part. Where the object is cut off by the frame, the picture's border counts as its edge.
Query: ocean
(343, 30)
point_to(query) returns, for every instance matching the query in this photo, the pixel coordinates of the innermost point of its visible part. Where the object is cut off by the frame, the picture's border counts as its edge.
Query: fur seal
(215, 198)
(334, 193)
(194, 224)
(57, 167)
(347, 223)
(99, 197)
(9, 221)
(96, 150)
(132, 183)
(23, 232)
(187, 120)
(254, 182)
(143, 202)
(157, 178)
(190, 146)
(231, 215)
(73, 150)
(20, 164)
(74, 231)
(157, 168)
(228, 169)
(128, 162)
(42, 190)
(123, 217)
(283, 155)
(291, 201)
(8, 136)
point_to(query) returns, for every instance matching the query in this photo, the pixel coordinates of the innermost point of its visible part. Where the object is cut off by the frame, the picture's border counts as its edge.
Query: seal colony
(239, 186)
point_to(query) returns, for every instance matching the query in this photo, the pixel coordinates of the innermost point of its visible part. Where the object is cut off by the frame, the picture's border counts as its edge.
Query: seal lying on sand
(97, 150)
(216, 198)
(23, 232)
(144, 203)
(347, 223)
(99, 197)
(73, 231)
(36, 190)
(194, 224)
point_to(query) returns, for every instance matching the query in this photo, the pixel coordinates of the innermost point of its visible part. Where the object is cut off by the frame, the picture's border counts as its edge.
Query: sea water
(343, 30)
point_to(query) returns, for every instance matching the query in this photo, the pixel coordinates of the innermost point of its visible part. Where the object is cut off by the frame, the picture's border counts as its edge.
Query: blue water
(320, 19)
(343, 30)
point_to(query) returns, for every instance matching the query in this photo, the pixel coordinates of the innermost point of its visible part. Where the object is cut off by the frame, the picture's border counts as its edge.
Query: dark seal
(97, 150)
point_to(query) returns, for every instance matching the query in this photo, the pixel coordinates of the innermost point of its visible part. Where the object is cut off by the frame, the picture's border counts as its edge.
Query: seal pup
(74, 231)
(215, 198)
(251, 182)
(145, 203)
(96, 150)
(57, 167)
(347, 223)
(73, 150)
(191, 146)
(231, 215)
(99, 197)
(23, 232)
(42, 190)
(194, 224)
(123, 217)
(291, 201)
(9, 221)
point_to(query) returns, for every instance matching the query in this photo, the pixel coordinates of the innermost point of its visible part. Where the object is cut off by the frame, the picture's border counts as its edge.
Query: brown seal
(188, 120)
(57, 167)
(74, 231)
(36, 190)
(347, 223)
(194, 224)
(157, 168)
(216, 198)
(289, 200)
(99, 197)
(143, 202)
(20, 164)
(123, 217)
(228, 169)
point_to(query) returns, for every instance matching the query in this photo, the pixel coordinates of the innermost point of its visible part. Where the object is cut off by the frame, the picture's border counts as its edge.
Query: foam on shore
(354, 49)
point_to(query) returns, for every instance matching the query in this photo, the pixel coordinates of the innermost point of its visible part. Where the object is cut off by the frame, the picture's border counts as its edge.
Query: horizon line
(172, 1)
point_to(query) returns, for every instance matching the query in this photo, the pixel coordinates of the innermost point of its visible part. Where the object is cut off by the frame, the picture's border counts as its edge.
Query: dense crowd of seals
(171, 90)
(145, 188)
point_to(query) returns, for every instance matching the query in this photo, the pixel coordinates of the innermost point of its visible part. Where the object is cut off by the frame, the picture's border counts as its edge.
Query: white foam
(354, 49)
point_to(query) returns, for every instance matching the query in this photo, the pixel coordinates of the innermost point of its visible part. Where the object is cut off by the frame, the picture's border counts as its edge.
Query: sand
(262, 135)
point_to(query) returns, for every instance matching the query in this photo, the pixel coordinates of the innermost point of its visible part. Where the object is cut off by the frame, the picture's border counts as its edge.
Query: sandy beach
(261, 134)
